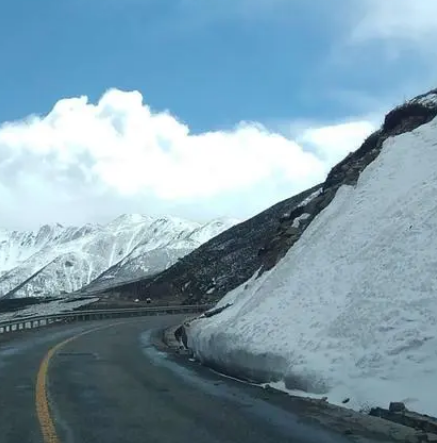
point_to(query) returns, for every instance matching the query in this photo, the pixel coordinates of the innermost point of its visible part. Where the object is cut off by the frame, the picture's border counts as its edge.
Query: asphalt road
(113, 385)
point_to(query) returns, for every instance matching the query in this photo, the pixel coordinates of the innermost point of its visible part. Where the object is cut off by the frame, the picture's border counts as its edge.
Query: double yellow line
(41, 401)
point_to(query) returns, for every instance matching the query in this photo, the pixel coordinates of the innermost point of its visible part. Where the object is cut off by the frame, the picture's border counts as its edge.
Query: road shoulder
(359, 426)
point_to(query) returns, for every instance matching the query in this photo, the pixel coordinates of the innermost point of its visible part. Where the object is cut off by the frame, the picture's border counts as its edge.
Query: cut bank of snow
(351, 310)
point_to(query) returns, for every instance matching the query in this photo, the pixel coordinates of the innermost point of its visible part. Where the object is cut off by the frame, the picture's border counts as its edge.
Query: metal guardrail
(37, 321)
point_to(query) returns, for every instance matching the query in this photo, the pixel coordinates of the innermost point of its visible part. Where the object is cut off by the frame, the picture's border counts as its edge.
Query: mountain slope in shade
(59, 259)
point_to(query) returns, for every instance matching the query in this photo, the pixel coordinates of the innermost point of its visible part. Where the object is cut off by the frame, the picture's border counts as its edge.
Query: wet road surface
(107, 382)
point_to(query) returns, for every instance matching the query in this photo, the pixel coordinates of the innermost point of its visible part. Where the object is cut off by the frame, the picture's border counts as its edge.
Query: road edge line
(45, 420)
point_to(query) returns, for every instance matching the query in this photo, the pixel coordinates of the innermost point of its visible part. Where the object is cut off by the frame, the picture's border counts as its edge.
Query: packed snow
(58, 259)
(351, 310)
(297, 220)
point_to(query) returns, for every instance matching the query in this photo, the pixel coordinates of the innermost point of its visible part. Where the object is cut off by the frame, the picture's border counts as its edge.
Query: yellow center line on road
(41, 398)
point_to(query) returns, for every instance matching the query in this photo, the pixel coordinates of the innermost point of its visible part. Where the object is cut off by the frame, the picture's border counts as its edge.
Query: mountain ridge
(58, 259)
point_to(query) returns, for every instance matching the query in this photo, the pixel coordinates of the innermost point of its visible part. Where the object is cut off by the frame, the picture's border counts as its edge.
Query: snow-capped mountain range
(58, 259)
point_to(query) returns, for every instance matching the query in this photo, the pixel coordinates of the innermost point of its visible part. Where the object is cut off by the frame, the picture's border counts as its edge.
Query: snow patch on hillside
(310, 198)
(428, 100)
(52, 307)
(351, 310)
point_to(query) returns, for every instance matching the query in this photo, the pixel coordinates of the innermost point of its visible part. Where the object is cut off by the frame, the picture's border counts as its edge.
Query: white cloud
(84, 162)
(405, 21)
(382, 54)
(332, 143)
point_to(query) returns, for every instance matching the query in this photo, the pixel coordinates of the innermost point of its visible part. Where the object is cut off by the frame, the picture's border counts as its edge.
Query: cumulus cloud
(87, 162)
(333, 143)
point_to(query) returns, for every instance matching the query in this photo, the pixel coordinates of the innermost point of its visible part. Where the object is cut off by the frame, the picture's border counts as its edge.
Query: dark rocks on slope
(231, 258)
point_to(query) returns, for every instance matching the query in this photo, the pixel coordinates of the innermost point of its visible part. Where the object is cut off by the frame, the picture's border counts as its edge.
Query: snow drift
(351, 310)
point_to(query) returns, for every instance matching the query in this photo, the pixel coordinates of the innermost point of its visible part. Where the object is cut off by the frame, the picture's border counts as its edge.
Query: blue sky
(289, 65)
(211, 67)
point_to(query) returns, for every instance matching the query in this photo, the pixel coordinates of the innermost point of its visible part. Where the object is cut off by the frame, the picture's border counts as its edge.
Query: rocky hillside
(59, 259)
(231, 258)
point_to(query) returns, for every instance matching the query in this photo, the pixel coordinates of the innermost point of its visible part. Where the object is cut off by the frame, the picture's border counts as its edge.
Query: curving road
(79, 384)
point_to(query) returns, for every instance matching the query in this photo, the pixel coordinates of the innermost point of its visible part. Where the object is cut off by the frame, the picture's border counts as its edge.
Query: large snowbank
(351, 310)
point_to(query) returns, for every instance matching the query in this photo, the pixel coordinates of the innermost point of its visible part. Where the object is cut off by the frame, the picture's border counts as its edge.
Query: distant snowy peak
(128, 220)
(169, 223)
(179, 224)
(57, 259)
(209, 230)
(16, 247)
